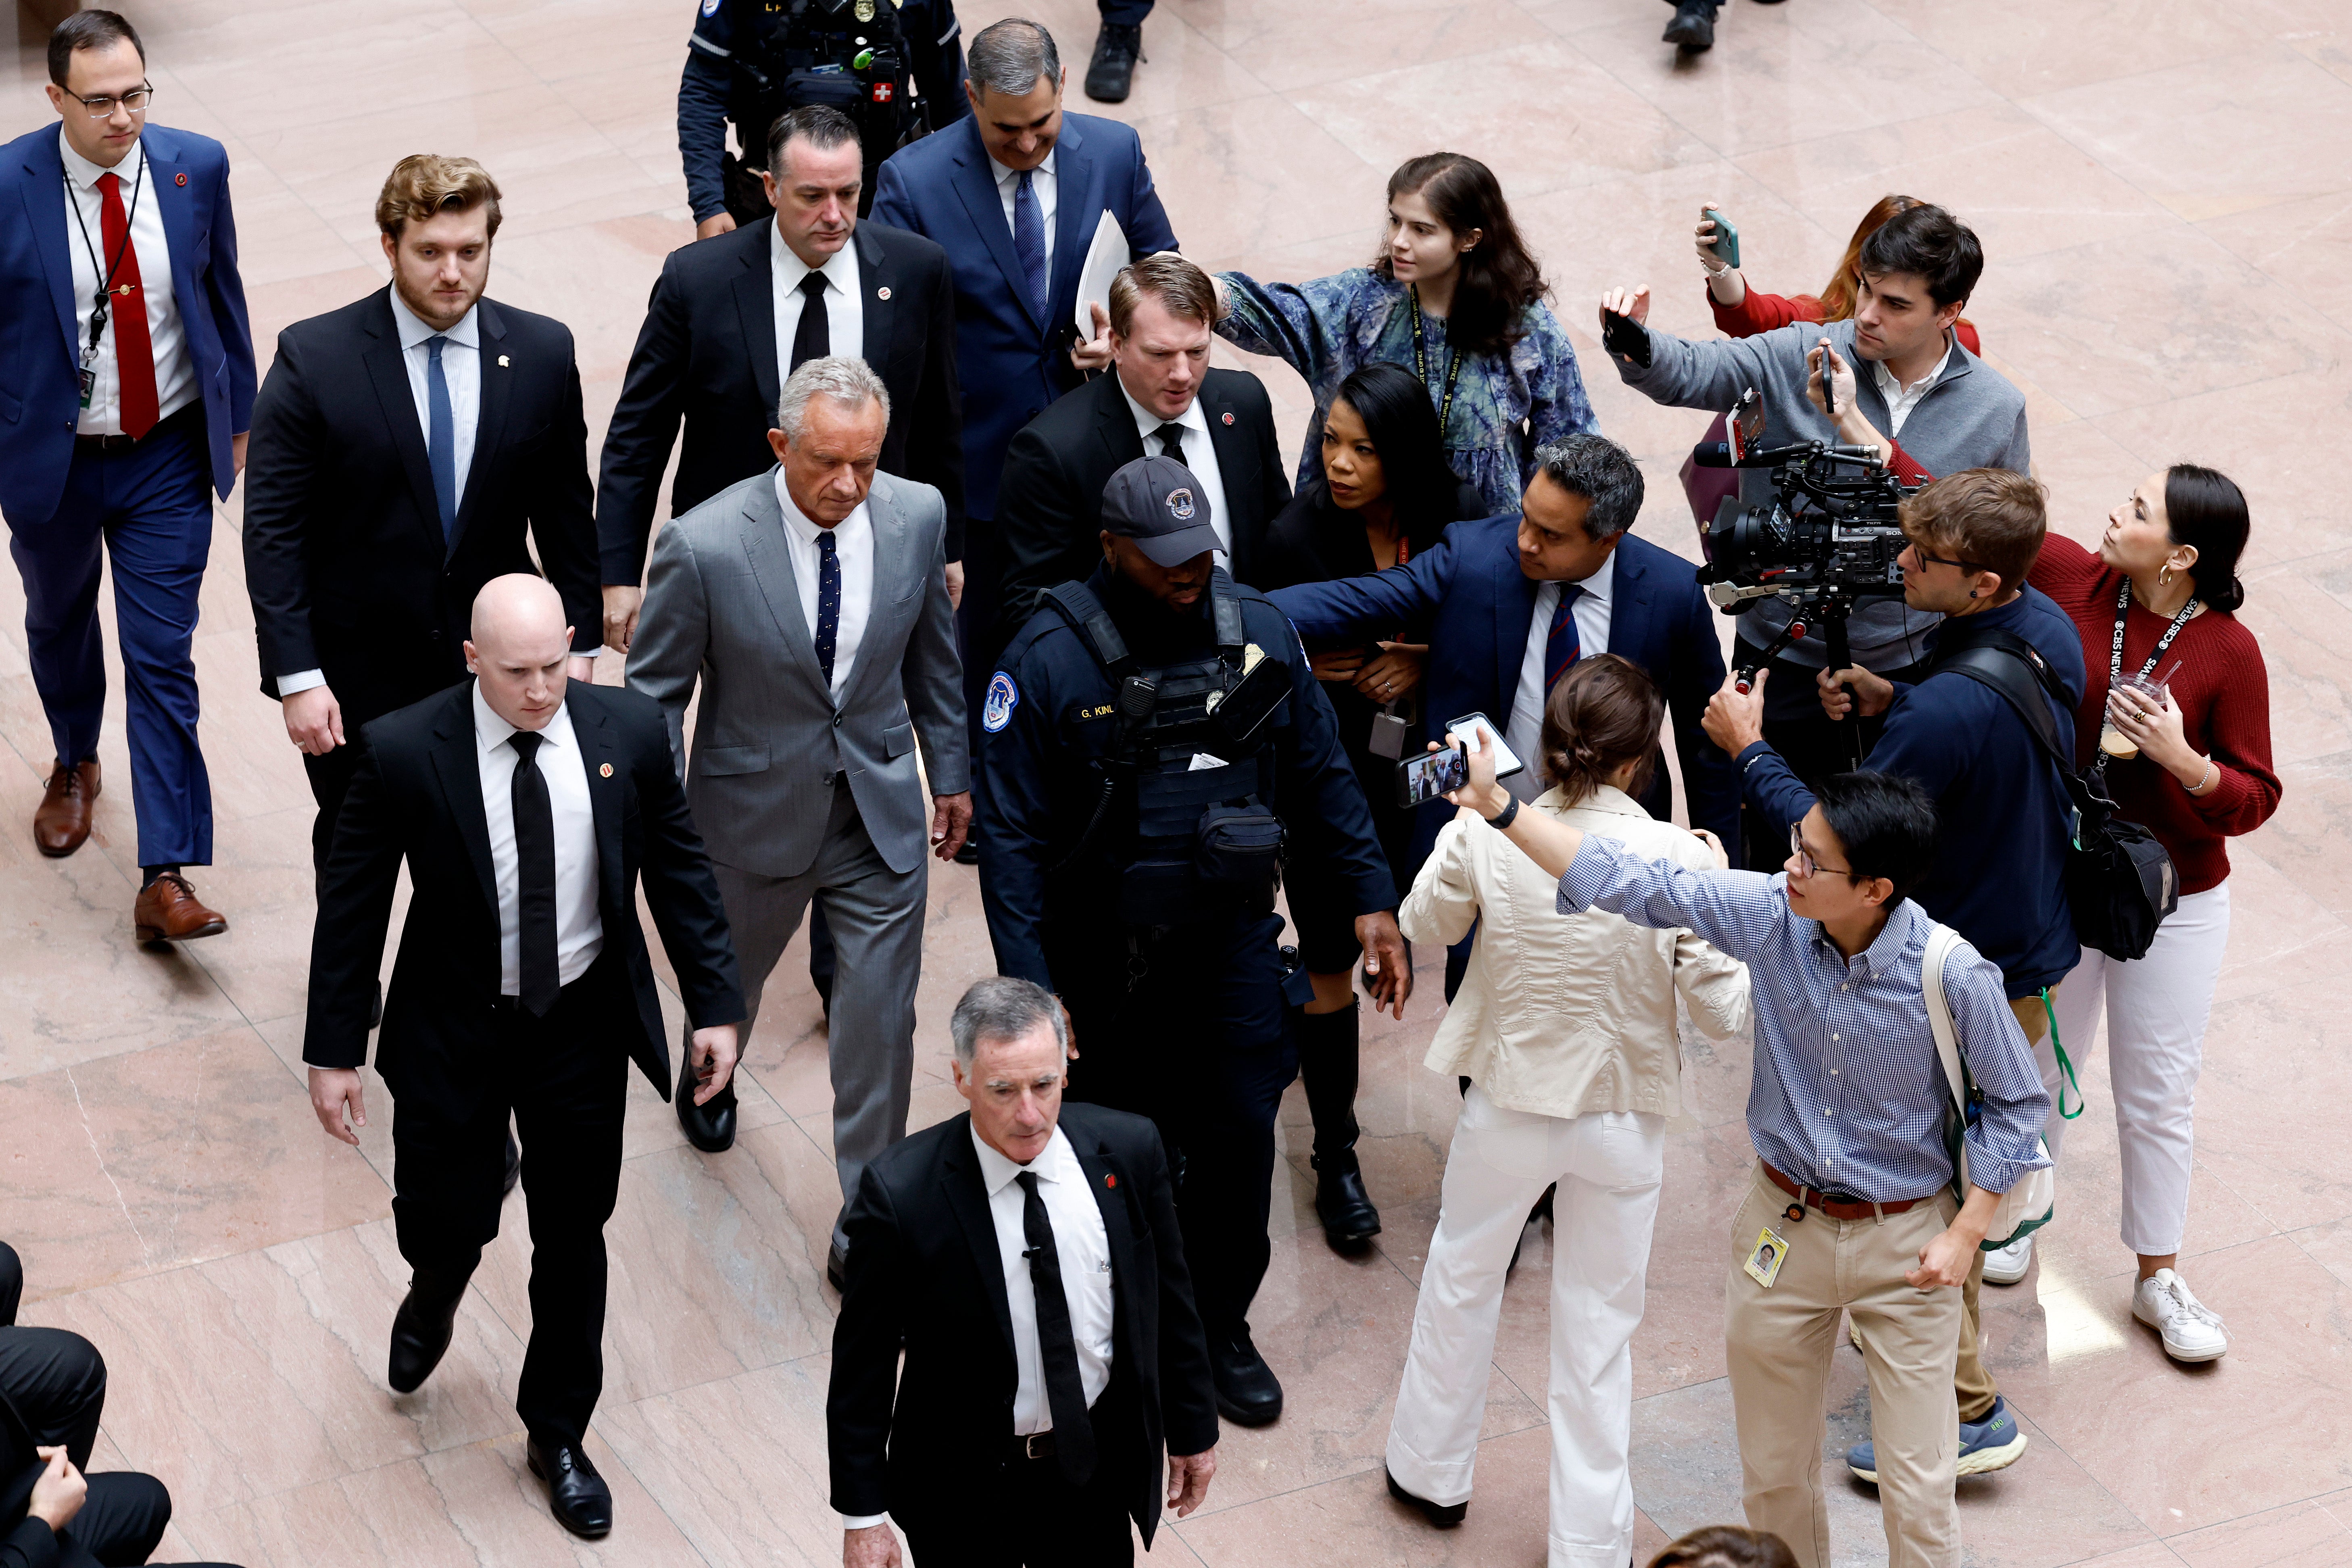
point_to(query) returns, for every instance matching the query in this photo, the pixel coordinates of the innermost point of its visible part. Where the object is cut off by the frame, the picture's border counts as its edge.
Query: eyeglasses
(1927, 560)
(1807, 866)
(134, 101)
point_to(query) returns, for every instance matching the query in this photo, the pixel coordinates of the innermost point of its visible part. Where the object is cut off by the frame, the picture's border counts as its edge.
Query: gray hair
(1003, 1008)
(837, 378)
(1601, 471)
(1008, 56)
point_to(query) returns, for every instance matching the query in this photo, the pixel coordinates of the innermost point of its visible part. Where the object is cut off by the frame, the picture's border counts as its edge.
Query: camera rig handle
(1772, 651)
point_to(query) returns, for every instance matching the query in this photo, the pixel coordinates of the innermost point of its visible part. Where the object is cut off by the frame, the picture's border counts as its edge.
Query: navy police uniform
(1097, 886)
(737, 70)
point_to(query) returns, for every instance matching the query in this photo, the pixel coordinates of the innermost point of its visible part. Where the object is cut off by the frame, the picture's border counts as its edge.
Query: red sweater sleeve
(1760, 312)
(1907, 467)
(2237, 735)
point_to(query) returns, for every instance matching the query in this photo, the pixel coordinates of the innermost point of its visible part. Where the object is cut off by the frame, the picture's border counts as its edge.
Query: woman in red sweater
(1741, 311)
(2195, 770)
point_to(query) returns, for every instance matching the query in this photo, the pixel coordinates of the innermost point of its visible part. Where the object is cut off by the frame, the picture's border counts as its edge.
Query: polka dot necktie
(1563, 647)
(828, 602)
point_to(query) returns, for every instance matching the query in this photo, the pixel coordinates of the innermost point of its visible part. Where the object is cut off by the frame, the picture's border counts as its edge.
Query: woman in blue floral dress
(1497, 362)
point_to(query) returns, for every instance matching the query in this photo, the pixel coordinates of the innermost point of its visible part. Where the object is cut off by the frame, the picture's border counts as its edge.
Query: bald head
(519, 648)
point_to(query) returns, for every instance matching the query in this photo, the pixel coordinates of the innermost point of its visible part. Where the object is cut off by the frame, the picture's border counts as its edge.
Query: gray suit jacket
(722, 604)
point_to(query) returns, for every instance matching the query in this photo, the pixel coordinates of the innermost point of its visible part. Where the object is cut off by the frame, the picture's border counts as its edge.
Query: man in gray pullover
(1903, 383)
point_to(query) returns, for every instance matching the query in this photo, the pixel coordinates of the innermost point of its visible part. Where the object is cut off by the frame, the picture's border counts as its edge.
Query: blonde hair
(424, 184)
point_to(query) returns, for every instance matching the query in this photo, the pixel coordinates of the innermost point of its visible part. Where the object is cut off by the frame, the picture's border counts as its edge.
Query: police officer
(1155, 744)
(749, 60)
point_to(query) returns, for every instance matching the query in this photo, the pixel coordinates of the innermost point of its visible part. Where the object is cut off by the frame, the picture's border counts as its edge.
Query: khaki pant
(1780, 1343)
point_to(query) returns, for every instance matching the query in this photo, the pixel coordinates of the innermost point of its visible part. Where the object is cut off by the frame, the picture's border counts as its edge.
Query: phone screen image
(1431, 775)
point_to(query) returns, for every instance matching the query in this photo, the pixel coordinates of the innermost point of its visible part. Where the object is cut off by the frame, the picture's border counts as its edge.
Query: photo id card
(1763, 1264)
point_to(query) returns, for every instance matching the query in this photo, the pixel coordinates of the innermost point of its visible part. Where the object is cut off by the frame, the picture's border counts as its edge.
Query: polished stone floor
(2165, 191)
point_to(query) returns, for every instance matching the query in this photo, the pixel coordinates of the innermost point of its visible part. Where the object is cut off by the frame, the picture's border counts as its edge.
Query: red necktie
(134, 356)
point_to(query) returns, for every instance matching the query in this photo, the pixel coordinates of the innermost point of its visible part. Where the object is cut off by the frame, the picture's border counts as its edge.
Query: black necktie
(1066, 1396)
(1171, 441)
(812, 339)
(828, 602)
(534, 831)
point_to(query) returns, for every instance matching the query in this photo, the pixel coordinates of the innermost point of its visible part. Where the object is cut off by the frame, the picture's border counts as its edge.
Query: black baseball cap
(1158, 503)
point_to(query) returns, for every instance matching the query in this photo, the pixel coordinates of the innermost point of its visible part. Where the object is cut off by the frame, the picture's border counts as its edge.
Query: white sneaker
(2007, 1265)
(2191, 1331)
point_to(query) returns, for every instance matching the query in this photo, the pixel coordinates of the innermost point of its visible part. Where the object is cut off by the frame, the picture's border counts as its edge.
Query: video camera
(1828, 537)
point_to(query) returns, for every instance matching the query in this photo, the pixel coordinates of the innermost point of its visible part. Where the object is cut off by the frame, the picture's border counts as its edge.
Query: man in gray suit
(812, 603)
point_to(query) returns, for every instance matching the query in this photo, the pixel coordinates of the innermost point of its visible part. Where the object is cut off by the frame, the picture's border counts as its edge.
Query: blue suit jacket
(1477, 602)
(41, 399)
(1012, 366)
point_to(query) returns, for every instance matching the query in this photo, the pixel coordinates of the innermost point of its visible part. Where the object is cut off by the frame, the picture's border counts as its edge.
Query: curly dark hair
(1499, 277)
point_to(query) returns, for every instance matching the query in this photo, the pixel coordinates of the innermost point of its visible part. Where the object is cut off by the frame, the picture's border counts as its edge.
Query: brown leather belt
(179, 418)
(1836, 1205)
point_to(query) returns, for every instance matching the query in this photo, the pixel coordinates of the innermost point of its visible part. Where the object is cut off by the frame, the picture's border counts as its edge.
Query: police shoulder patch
(711, 8)
(1002, 698)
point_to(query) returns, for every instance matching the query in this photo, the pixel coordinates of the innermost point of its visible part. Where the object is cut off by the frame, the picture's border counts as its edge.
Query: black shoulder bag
(2120, 882)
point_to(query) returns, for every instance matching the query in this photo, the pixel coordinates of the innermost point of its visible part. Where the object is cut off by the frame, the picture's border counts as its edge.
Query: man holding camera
(1973, 537)
(1897, 381)
(1853, 1193)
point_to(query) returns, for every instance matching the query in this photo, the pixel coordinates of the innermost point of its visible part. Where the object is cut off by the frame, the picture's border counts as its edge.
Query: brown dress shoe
(169, 911)
(61, 825)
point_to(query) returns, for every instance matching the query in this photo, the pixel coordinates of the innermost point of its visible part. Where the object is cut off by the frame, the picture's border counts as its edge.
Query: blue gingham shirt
(1848, 1094)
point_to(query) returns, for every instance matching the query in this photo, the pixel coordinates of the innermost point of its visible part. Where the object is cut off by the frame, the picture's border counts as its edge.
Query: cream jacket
(1567, 1015)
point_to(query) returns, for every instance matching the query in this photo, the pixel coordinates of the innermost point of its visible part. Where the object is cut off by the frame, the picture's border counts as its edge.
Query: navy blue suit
(1478, 602)
(145, 503)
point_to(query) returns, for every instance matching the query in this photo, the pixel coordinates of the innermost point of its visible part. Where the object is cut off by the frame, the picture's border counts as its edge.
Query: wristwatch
(1498, 823)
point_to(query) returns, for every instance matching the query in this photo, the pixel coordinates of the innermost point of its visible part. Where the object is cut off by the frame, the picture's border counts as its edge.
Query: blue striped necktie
(1563, 647)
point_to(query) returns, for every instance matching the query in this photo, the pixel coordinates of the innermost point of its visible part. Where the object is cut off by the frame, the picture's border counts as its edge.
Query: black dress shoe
(420, 1332)
(1111, 72)
(1693, 29)
(1247, 1392)
(582, 1503)
(1443, 1518)
(514, 1165)
(709, 1128)
(1349, 1220)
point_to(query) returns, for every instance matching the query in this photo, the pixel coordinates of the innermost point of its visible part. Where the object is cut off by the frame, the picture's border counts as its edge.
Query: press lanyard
(2123, 609)
(1420, 362)
(98, 310)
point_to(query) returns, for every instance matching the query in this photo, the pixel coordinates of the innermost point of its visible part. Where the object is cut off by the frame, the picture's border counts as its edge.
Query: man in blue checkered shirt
(1851, 1207)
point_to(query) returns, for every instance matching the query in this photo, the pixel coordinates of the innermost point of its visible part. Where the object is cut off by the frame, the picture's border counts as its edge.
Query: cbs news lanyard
(1420, 362)
(2123, 609)
(105, 276)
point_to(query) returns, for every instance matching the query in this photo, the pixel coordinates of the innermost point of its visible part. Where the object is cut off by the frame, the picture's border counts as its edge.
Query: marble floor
(2165, 191)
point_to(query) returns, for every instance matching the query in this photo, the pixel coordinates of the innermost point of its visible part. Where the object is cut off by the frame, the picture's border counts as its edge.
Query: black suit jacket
(418, 797)
(344, 555)
(707, 355)
(927, 1445)
(1049, 503)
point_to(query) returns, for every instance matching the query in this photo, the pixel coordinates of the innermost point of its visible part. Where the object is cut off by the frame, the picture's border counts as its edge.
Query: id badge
(1388, 736)
(89, 373)
(1763, 1264)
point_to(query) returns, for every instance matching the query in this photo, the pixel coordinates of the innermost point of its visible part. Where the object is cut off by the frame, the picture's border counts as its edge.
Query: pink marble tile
(2309, 1534)
(2020, 48)
(1289, 48)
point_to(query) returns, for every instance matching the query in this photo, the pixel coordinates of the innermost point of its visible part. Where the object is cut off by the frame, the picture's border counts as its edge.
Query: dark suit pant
(146, 507)
(1037, 1519)
(564, 1078)
(1199, 1044)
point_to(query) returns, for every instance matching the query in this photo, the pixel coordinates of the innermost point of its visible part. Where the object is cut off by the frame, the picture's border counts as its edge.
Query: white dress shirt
(845, 311)
(1199, 455)
(1044, 187)
(579, 930)
(175, 369)
(1524, 731)
(853, 544)
(1901, 399)
(461, 368)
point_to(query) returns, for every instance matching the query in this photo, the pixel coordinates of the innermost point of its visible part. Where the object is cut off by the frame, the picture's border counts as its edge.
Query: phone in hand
(1432, 775)
(1828, 381)
(1623, 335)
(1726, 239)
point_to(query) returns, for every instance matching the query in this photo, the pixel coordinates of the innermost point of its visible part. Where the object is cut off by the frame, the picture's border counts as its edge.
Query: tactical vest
(1194, 842)
(851, 55)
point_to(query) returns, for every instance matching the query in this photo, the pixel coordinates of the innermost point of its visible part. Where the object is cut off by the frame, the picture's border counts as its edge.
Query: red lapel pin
(606, 770)
(882, 293)
(1110, 1180)
(179, 179)
(1229, 418)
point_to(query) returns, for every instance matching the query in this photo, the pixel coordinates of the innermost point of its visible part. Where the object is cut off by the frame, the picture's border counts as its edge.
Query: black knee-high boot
(1327, 1060)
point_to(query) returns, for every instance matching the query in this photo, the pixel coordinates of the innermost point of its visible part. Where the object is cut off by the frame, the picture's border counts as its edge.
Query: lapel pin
(606, 772)
(502, 364)
(1110, 1180)
(882, 293)
(1229, 418)
(179, 179)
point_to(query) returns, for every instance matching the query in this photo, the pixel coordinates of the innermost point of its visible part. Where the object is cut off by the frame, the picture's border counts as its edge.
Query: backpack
(2120, 882)
(2033, 1200)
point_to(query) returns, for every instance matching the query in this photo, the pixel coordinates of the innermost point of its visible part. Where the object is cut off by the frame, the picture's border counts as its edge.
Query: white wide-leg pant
(1607, 1166)
(2155, 1009)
